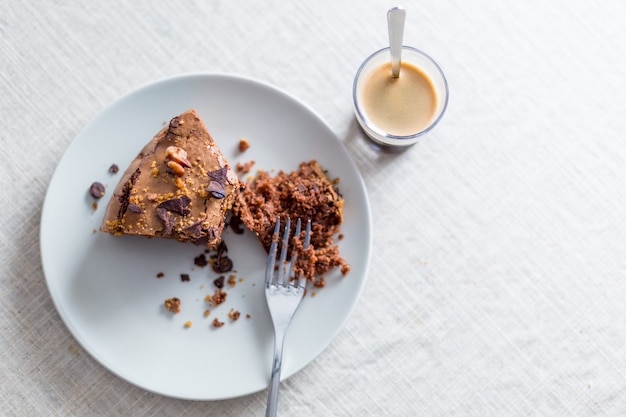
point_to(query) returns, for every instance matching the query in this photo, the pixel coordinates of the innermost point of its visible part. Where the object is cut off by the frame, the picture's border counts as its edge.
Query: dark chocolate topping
(217, 183)
(177, 205)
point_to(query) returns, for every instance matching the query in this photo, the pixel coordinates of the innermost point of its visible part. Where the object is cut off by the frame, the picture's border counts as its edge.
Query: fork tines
(284, 267)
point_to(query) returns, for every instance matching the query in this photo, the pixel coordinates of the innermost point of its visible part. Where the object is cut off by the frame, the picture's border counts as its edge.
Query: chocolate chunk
(124, 198)
(223, 264)
(167, 218)
(184, 277)
(221, 249)
(113, 169)
(201, 260)
(217, 182)
(194, 229)
(212, 233)
(134, 208)
(177, 205)
(96, 190)
(201, 241)
(219, 281)
(235, 224)
(216, 190)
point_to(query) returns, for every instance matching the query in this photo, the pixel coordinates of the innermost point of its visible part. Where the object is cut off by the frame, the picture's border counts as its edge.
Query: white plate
(105, 287)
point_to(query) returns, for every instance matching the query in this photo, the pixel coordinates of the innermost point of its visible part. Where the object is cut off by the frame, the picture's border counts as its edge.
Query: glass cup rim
(365, 121)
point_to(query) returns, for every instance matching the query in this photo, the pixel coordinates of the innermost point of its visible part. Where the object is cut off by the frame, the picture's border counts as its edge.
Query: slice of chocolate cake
(306, 193)
(179, 186)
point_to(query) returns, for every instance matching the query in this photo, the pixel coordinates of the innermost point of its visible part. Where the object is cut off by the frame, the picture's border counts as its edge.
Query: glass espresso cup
(396, 112)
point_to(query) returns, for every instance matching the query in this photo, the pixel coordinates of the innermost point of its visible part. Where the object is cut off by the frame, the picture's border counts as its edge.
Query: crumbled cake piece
(218, 297)
(180, 186)
(243, 144)
(234, 314)
(188, 324)
(320, 282)
(217, 322)
(306, 193)
(245, 167)
(173, 304)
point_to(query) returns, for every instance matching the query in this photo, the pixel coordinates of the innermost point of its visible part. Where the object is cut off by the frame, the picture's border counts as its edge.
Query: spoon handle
(395, 23)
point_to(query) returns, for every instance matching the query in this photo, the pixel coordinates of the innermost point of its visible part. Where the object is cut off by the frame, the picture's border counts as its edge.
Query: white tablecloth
(497, 280)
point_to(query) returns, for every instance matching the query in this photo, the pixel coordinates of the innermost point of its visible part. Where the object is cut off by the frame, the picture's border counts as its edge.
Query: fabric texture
(497, 279)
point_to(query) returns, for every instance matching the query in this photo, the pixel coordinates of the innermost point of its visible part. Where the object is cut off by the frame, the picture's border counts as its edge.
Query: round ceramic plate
(106, 287)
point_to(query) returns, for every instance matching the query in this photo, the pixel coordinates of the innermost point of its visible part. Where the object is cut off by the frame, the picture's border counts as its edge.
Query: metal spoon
(395, 23)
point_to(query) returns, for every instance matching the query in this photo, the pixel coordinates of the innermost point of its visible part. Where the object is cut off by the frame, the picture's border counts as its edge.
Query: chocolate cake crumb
(114, 169)
(219, 281)
(221, 248)
(173, 304)
(223, 264)
(218, 297)
(235, 225)
(243, 145)
(185, 277)
(217, 322)
(234, 314)
(160, 275)
(220, 262)
(201, 260)
(97, 190)
(244, 167)
(320, 282)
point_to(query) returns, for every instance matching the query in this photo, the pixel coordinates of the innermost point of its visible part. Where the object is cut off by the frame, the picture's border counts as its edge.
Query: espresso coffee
(402, 106)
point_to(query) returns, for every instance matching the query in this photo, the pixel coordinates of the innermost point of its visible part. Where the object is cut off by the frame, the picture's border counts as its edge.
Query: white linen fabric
(497, 282)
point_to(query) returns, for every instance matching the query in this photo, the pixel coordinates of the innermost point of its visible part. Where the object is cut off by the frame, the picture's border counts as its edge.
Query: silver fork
(283, 298)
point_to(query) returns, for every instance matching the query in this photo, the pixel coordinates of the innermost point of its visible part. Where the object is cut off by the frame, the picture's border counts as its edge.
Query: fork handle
(272, 396)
